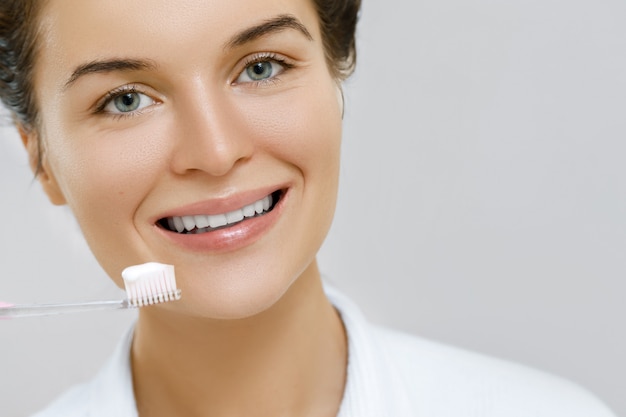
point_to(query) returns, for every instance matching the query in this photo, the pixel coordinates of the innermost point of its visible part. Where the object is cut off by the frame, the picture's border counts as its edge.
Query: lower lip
(229, 238)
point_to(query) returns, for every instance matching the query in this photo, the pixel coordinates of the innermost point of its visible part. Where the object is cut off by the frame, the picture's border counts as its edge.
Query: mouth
(205, 223)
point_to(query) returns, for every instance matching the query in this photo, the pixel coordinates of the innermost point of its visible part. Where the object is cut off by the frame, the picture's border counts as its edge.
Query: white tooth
(178, 224)
(249, 211)
(266, 203)
(217, 220)
(270, 199)
(170, 223)
(201, 221)
(258, 206)
(189, 222)
(234, 216)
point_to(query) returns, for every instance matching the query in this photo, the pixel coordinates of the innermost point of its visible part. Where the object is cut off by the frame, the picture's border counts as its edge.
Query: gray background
(482, 200)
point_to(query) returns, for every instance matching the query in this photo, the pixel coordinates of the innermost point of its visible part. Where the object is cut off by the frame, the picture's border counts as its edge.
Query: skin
(254, 333)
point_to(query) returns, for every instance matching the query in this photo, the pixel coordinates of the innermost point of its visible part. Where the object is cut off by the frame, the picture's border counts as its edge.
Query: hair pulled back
(18, 49)
(338, 20)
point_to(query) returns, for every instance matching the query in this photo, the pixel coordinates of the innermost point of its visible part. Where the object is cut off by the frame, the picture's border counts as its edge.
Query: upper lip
(220, 205)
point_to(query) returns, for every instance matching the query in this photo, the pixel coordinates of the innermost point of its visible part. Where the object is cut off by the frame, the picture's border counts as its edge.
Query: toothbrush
(145, 284)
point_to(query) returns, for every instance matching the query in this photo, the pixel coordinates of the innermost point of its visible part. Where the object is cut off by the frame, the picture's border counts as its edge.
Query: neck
(287, 361)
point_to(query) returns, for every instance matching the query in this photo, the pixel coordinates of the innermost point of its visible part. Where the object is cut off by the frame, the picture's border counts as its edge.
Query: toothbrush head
(150, 283)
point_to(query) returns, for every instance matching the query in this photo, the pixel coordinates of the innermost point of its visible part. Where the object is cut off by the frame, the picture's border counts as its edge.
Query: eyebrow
(110, 65)
(273, 25)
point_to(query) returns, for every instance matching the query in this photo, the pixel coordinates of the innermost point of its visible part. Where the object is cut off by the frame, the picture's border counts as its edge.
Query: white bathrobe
(390, 374)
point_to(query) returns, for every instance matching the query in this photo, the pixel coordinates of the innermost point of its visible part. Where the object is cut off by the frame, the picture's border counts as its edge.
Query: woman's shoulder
(445, 380)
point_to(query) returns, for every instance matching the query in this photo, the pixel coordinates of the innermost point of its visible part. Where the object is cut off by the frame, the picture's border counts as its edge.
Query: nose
(209, 134)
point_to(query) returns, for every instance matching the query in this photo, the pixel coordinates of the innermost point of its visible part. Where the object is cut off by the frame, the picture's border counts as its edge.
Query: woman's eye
(260, 71)
(128, 102)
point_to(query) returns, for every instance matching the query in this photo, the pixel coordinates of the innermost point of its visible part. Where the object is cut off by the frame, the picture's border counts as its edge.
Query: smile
(203, 223)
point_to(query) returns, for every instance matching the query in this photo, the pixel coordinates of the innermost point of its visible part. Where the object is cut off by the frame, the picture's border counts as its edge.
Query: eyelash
(111, 95)
(130, 89)
(264, 57)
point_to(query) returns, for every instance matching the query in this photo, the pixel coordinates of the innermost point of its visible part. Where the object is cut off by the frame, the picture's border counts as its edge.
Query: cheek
(307, 136)
(98, 169)
(104, 177)
(303, 129)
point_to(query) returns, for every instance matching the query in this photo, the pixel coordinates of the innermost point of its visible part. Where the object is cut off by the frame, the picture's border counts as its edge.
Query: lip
(229, 238)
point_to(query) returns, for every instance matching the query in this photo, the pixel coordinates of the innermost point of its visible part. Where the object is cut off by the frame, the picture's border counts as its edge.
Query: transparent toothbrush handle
(34, 310)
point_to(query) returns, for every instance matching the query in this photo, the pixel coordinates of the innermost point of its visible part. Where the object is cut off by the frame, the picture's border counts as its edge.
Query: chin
(234, 299)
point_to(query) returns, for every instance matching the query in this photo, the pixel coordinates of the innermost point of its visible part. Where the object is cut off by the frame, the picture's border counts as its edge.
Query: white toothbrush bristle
(150, 283)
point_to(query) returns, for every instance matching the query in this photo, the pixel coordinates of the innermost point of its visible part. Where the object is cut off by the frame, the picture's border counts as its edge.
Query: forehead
(124, 20)
(77, 31)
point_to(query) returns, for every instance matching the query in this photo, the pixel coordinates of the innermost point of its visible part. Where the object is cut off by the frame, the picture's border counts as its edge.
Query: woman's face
(158, 115)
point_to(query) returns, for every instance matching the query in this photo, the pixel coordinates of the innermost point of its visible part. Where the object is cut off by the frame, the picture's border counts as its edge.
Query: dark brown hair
(18, 36)
(338, 19)
(18, 49)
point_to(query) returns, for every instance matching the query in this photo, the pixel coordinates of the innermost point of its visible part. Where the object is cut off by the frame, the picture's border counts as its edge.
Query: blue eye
(260, 71)
(127, 102)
